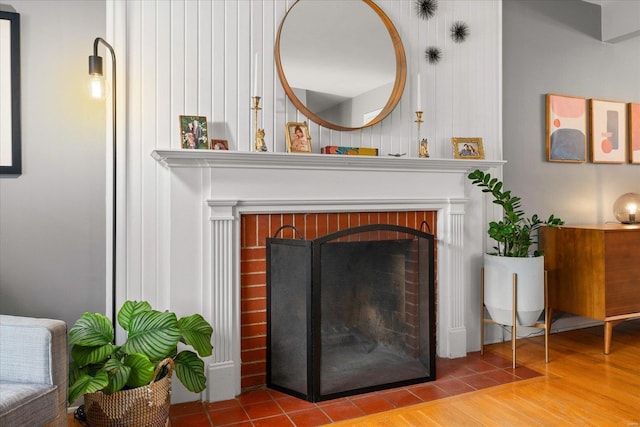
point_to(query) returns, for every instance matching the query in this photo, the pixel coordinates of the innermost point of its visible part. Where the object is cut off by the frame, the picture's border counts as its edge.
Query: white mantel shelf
(244, 159)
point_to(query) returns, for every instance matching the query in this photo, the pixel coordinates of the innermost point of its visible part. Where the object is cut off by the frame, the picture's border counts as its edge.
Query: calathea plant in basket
(515, 235)
(105, 372)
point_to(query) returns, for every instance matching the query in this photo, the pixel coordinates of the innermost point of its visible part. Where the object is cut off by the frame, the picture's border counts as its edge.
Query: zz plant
(152, 336)
(515, 232)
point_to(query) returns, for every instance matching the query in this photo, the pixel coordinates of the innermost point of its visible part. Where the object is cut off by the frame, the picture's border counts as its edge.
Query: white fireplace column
(224, 367)
(451, 304)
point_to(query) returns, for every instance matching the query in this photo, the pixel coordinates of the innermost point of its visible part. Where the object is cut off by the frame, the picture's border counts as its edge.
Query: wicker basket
(146, 406)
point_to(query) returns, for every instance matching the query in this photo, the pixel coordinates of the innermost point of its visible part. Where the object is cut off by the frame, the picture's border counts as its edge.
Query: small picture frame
(467, 148)
(566, 128)
(608, 131)
(193, 133)
(298, 138)
(219, 144)
(634, 133)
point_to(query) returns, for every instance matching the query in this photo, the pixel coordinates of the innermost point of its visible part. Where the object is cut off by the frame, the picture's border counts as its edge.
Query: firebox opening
(350, 312)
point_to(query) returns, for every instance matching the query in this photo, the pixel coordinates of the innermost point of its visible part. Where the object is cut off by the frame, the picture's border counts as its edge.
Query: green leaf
(141, 370)
(89, 355)
(87, 384)
(118, 375)
(152, 333)
(190, 371)
(197, 333)
(130, 309)
(91, 329)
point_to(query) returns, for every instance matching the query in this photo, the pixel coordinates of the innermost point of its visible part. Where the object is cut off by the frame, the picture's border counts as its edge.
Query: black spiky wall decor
(426, 8)
(433, 54)
(459, 31)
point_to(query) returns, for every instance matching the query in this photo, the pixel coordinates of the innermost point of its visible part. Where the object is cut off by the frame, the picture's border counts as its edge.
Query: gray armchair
(33, 371)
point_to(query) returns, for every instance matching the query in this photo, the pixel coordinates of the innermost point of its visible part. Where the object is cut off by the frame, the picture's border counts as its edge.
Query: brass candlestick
(258, 138)
(423, 150)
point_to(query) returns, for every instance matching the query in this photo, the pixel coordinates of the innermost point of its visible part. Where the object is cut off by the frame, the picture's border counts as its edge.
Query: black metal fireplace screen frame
(301, 356)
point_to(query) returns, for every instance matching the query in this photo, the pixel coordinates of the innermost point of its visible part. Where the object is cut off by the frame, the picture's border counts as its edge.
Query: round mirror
(343, 67)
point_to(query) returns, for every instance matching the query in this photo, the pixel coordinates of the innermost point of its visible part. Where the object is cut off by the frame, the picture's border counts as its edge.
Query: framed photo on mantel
(298, 138)
(193, 132)
(467, 148)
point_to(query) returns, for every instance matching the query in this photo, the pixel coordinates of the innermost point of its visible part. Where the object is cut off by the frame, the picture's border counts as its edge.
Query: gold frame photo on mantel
(467, 148)
(193, 132)
(298, 138)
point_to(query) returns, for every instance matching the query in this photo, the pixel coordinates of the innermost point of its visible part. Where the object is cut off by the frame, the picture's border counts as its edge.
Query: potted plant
(515, 234)
(105, 372)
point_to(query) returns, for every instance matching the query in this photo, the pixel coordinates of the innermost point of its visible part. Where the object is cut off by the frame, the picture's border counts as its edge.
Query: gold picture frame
(467, 148)
(298, 138)
(193, 133)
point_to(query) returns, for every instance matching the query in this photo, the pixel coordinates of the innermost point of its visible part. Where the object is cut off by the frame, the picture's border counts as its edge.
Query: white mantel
(222, 185)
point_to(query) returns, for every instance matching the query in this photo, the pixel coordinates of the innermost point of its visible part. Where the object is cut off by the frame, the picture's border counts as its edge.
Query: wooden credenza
(594, 271)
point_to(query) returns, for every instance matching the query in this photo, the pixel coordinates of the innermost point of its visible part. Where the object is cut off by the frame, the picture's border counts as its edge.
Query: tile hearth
(265, 407)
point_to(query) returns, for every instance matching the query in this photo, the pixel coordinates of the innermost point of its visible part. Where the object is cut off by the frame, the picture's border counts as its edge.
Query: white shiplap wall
(195, 57)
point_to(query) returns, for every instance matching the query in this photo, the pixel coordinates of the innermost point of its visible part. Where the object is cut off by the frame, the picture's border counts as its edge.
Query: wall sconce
(627, 208)
(98, 90)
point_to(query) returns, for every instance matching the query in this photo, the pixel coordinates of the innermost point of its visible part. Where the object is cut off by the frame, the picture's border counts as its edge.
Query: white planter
(498, 288)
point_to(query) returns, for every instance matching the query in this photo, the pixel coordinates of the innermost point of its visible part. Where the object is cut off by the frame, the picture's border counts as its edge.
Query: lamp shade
(627, 208)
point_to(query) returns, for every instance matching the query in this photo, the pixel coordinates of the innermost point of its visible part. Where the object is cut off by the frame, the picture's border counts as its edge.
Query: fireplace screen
(350, 312)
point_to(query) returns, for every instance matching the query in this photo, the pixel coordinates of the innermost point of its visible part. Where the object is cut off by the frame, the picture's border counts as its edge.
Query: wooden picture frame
(608, 131)
(566, 128)
(467, 148)
(298, 138)
(219, 144)
(193, 133)
(634, 133)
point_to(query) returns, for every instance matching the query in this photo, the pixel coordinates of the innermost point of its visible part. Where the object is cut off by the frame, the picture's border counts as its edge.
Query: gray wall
(552, 46)
(52, 217)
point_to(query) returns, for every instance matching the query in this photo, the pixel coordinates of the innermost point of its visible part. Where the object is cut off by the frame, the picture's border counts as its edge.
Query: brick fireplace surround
(255, 228)
(229, 196)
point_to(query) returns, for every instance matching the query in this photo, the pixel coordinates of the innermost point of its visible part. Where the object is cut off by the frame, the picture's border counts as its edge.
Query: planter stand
(546, 325)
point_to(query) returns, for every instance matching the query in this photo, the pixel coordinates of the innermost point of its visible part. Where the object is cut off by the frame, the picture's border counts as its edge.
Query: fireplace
(207, 195)
(350, 312)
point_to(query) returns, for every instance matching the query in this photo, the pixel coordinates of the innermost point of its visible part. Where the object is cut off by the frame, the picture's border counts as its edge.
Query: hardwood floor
(580, 386)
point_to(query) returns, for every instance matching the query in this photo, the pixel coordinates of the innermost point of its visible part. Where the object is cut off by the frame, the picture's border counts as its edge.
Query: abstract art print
(634, 133)
(566, 128)
(608, 131)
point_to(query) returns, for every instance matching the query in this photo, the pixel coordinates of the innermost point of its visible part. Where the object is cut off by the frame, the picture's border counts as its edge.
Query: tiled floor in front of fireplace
(265, 407)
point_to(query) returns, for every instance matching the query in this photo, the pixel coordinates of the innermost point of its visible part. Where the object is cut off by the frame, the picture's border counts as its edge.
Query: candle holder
(258, 138)
(423, 150)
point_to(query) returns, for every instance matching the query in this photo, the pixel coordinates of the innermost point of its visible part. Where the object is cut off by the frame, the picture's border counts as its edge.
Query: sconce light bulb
(97, 86)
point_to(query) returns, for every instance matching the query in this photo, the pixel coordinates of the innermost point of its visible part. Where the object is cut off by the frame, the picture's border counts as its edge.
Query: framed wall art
(566, 128)
(193, 132)
(298, 139)
(608, 131)
(467, 148)
(634, 133)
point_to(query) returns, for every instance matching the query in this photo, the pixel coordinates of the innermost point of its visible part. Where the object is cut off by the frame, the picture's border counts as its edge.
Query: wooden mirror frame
(10, 65)
(396, 93)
